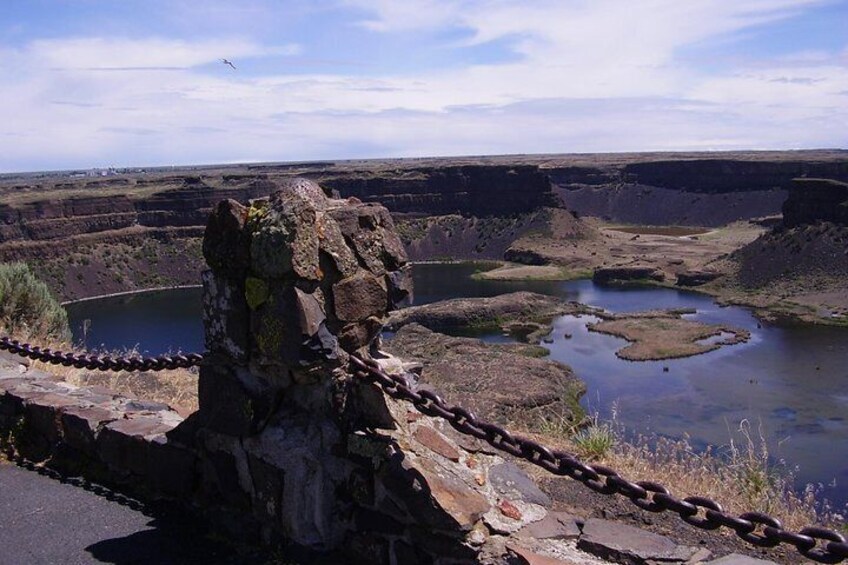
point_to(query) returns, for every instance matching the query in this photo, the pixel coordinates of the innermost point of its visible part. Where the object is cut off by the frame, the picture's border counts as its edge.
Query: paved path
(45, 521)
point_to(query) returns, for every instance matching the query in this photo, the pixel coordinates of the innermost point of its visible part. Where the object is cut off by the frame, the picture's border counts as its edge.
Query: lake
(790, 382)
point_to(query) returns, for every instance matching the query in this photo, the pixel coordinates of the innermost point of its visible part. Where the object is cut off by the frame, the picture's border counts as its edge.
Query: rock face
(82, 235)
(473, 190)
(180, 202)
(816, 200)
(688, 189)
(184, 201)
(470, 314)
(696, 277)
(632, 273)
(49, 219)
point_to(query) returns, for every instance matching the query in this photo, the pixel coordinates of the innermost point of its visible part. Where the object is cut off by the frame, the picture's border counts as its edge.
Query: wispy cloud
(105, 53)
(574, 76)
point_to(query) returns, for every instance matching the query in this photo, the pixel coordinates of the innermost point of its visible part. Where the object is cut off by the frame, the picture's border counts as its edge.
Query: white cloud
(122, 53)
(591, 76)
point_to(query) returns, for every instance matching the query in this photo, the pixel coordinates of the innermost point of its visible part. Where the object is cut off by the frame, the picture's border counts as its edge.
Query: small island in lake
(655, 334)
(664, 334)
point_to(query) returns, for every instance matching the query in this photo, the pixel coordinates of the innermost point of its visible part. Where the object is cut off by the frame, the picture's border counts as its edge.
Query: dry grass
(741, 476)
(177, 388)
(672, 231)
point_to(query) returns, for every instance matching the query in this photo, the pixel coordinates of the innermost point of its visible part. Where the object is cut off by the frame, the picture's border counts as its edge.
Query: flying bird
(230, 63)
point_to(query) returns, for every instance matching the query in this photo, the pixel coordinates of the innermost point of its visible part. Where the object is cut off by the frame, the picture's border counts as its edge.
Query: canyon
(141, 228)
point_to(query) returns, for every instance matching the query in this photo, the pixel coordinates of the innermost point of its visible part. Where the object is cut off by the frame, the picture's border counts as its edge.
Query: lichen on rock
(317, 276)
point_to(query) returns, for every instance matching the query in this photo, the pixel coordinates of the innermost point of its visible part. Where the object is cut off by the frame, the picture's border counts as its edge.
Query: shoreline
(129, 292)
(783, 311)
(787, 311)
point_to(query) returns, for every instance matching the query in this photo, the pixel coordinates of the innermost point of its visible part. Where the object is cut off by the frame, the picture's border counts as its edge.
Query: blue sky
(95, 83)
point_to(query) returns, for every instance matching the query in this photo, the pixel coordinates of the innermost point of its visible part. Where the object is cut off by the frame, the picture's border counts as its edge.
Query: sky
(107, 83)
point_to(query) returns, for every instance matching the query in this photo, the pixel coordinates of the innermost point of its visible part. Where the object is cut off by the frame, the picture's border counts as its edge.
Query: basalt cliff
(802, 261)
(690, 189)
(141, 228)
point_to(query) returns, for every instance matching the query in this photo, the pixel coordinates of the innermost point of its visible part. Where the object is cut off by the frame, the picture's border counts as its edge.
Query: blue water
(789, 381)
(151, 323)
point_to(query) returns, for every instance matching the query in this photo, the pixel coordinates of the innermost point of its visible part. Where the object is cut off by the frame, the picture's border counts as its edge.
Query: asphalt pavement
(45, 519)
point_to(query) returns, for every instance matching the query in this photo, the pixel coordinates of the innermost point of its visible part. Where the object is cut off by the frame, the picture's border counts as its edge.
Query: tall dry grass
(177, 388)
(742, 476)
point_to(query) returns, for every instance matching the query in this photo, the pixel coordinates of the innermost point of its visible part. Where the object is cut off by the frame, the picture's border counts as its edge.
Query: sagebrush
(27, 308)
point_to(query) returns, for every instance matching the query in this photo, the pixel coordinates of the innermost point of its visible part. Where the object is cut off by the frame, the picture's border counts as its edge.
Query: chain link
(819, 544)
(98, 363)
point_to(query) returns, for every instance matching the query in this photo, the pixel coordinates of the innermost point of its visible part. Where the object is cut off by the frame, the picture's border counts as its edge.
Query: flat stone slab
(626, 544)
(556, 525)
(140, 427)
(436, 442)
(509, 480)
(736, 559)
(531, 558)
(510, 516)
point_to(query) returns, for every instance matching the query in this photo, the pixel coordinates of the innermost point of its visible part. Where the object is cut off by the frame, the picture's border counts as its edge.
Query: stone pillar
(294, 449)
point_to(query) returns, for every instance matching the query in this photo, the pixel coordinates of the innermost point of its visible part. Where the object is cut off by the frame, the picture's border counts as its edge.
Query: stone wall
(128, 444)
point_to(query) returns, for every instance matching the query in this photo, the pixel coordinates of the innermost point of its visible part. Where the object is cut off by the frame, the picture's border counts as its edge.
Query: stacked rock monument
(291, 445)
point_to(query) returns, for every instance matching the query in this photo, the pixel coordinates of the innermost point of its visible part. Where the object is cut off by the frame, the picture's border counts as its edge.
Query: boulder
(604, 275)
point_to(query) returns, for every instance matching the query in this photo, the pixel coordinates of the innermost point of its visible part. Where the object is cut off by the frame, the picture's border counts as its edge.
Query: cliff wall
(472, 207)
(467, 190)
(689, 189)
(816, 200)
(54, 217)
(185, 201)
(698, 191)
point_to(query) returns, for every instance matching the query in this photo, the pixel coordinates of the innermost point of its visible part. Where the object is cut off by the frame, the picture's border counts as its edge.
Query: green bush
(594, 442)
(26, 306)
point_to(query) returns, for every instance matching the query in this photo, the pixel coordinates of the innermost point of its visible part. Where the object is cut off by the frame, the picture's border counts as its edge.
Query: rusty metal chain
(97, 362)
(815, 543)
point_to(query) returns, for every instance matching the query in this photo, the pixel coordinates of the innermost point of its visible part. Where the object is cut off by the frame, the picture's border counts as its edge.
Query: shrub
(26, 306)
(594, 442)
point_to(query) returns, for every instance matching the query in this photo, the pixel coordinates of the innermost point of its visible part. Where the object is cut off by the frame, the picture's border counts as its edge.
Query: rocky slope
(504, 383)
(801, 265)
